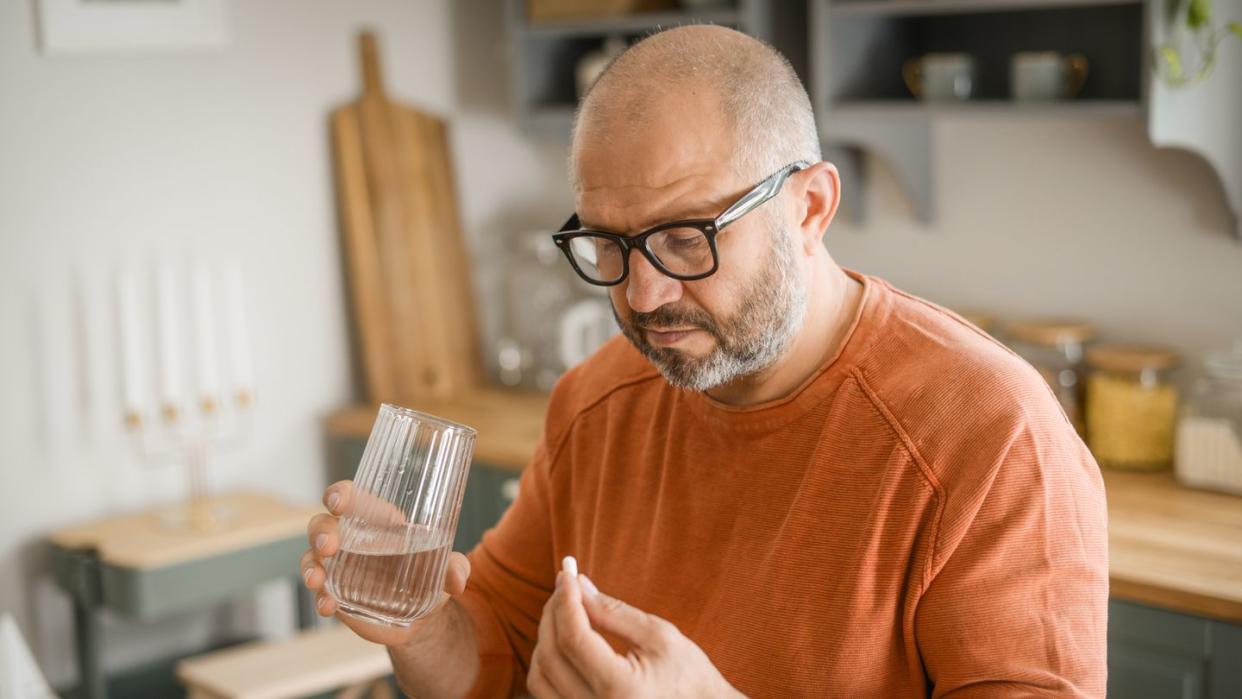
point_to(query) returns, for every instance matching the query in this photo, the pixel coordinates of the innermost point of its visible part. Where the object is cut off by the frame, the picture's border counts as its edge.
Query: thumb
(610, 614)
(457, 575)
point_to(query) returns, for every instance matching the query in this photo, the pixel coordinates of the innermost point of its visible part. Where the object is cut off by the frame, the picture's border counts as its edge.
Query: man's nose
(647, 287)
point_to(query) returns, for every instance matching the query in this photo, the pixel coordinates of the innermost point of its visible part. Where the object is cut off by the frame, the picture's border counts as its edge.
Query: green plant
(1190, 52)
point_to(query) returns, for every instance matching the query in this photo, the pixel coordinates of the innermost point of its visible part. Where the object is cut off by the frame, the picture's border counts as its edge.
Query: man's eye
(685, 241)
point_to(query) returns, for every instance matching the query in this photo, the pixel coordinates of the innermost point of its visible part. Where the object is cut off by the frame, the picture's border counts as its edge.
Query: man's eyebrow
(706, 211)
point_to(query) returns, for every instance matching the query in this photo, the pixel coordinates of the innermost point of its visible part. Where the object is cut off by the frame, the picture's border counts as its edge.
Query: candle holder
(192, 438)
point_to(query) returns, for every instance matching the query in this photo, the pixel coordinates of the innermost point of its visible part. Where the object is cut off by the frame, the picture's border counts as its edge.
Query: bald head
(695, 78)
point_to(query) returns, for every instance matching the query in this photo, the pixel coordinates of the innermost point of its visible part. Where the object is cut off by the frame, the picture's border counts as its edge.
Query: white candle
(133, 391)
(169, 323)
(239, 338)
(205, 336)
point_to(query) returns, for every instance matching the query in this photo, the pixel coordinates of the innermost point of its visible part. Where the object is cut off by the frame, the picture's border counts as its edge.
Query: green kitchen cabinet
(1157, 654)
(489, 492)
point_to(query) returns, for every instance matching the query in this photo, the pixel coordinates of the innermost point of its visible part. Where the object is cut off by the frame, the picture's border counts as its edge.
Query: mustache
(667, 317)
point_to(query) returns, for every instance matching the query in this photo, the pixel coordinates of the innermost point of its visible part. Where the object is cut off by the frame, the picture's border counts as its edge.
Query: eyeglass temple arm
(765, 191)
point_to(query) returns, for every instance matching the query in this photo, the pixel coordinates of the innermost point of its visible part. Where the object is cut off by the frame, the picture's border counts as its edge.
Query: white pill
(569, 564)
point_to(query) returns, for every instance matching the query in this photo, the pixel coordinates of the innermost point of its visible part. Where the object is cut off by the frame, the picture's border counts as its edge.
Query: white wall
(1066, 217)
(222, 155)
(225, 154)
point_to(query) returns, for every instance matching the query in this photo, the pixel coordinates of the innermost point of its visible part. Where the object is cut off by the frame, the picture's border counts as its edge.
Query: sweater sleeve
(1018, 605)
(512, 575)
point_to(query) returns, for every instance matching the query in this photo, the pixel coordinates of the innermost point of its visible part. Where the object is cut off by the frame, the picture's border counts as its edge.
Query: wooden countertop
(509, 423)
(146, 540)
(1174, 547)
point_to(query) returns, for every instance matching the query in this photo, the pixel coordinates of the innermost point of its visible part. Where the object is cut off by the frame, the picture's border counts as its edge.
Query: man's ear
(819, 187)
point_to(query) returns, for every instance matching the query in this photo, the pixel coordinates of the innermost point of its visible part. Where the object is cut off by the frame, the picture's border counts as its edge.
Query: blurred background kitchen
(220, 247)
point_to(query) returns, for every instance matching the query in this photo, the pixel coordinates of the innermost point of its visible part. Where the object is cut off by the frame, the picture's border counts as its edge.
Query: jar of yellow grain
(1055, 349)
(1131, 406)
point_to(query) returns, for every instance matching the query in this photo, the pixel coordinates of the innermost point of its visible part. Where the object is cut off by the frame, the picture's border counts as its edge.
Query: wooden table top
(1174, 547)
(509, 423)
(147, 540)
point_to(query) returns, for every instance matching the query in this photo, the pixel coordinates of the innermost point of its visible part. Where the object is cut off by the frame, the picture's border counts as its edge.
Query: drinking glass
(398, 527)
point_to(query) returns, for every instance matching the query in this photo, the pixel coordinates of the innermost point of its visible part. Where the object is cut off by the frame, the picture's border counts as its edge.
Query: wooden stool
(313, 662)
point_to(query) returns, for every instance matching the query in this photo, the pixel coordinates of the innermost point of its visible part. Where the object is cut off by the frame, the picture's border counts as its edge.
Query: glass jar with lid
(1131, 406)
(1055, 348)
(1209, 433)
(537, 288)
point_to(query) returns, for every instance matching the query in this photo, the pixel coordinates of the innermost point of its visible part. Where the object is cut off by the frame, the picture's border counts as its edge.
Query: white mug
(1045, 76)
(941, 77)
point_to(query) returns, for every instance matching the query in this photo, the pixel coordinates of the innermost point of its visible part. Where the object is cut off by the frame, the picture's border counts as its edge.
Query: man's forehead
(629, 206)
(636, 182)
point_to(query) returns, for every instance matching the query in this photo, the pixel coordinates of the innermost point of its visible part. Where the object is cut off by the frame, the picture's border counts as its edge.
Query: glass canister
(1055, 348)
(538, 287)
(1209, 433)
(1131, 406)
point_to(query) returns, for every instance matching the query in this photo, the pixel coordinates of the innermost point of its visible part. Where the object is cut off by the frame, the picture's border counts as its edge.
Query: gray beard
(771, 313)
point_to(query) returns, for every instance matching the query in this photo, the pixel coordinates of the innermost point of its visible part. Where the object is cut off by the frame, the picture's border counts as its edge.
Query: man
(787, 479)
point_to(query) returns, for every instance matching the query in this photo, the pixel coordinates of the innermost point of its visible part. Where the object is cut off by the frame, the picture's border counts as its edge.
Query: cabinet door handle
(509, 489)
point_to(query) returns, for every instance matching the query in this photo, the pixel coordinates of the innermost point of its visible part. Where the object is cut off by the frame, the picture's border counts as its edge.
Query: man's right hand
(324, 543)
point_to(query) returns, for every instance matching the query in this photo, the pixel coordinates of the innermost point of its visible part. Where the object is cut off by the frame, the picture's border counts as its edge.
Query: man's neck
(832, 301)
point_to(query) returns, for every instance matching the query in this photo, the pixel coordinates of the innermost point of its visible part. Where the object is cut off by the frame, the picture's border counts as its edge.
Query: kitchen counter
(1174, 547)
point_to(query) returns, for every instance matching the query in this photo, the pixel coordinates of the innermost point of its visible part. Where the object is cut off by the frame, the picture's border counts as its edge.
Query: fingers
(324, 604)
(343, 500)
(538, 683)
(551, 672)
(457, 574)
(313, 574)
(338, 497)
(322, 535)
(614, 616)
(586, 650)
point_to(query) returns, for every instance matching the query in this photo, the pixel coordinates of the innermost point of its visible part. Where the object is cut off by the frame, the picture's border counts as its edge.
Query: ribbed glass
(398, 528)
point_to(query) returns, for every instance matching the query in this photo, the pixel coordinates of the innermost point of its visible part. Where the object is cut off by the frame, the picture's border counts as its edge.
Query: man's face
(704, 333)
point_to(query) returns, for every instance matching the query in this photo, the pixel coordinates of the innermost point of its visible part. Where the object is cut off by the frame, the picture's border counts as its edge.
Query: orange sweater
(919, 518)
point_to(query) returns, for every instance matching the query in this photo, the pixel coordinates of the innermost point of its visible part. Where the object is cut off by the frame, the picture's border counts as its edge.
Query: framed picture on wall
(126, 26)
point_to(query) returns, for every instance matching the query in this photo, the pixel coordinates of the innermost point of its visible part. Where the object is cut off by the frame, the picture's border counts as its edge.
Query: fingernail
(322, 603)
(321, 542)
(307, 574)
(588, 586)
(333, 500)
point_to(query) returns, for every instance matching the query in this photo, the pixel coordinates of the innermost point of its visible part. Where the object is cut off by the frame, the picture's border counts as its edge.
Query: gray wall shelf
(858, 48)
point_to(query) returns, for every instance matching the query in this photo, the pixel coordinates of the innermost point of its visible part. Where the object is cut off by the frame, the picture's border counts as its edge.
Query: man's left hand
(571, 658)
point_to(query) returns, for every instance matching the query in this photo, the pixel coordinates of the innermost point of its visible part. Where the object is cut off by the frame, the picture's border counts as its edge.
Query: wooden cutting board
(413, 309)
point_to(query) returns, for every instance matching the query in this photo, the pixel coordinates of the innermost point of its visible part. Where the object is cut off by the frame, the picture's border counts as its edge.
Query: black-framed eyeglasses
(684, 250)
